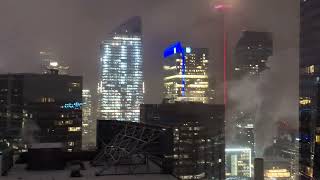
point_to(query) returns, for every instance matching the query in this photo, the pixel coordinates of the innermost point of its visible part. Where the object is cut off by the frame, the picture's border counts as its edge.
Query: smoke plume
(271, 97)
(29, 132)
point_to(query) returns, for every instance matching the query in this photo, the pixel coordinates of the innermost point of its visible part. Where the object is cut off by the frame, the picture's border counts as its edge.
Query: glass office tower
(195, 77)
(121, 78)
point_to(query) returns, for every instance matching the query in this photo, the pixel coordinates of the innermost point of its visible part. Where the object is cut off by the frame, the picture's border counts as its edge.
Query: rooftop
(18, 172)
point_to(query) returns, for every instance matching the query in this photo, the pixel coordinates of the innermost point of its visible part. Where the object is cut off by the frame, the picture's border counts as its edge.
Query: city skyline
(202, 77)
(78, 44)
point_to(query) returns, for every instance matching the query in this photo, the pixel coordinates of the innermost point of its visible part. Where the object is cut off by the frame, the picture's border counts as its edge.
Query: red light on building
(222, 7)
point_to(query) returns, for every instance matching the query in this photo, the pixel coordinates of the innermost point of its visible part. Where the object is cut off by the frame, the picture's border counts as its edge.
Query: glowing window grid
(121, 78)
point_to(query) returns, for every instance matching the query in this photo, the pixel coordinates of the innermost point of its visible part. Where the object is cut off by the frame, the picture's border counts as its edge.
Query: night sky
(74, 29)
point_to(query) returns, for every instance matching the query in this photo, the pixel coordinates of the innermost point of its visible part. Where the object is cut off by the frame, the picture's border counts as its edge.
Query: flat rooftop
(18, 172)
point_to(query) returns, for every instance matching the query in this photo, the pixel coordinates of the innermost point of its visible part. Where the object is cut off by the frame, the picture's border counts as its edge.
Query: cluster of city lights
(75, 105)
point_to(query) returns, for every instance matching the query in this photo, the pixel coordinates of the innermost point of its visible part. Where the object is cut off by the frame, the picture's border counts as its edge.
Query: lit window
(188, 50)
(50, 99)
(68, 122)
(318, 139)
(59, 123)
(43, 99)
(310, 69)
(75, 84)
(74, 129)
(305, 101)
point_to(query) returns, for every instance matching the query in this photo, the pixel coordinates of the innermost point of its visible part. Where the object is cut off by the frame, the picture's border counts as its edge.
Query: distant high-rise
(309, 130)
(250, 57)
(40, 108)
(251, 54)
(88, 122)
(121, 75)
(50, 64)
(195, 76)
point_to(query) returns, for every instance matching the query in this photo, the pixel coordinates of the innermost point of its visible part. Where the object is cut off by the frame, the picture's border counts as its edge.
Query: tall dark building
(309, 89)
(198, 137)
(37, 108)
(250, 57)
(251, 54)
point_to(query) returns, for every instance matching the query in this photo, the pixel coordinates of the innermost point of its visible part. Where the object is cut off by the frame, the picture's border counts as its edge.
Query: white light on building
(121, 77)
(238, 162)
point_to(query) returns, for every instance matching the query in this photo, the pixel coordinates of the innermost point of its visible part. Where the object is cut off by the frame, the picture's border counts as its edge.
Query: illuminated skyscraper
(189, 84)
(238, 163)
(88, 123)
(121, 78)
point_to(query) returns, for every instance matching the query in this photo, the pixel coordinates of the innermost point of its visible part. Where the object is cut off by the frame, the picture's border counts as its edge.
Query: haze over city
(229, 87)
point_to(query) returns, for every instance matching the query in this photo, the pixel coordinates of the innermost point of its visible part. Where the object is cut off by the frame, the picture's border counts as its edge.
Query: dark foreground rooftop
(18, 172)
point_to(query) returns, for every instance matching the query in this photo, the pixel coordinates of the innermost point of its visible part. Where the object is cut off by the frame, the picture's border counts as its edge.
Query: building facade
(239, 163)
(121, 75)
(190, 84)
(198, 137)
(88, 122)
(40, 108)
(251, 54)
(309, 90)
(250, 57)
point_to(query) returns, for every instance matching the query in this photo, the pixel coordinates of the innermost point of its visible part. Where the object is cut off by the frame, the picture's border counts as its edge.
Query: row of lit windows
(47, 100)
(114, 84)
(65, 122)
(74, 129)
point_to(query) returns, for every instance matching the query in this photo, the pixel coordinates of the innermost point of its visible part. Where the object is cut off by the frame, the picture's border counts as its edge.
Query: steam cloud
(29, 132)
(270, 97)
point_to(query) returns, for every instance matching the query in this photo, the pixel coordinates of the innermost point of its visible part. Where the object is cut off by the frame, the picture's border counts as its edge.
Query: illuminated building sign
(75, 105)
(277, 173)
(176, 49)
(305, 101)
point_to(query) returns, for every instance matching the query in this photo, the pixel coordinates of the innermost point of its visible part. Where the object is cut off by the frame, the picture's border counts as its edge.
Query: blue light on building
(75, 105)
(177, 48)
(185, 74)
